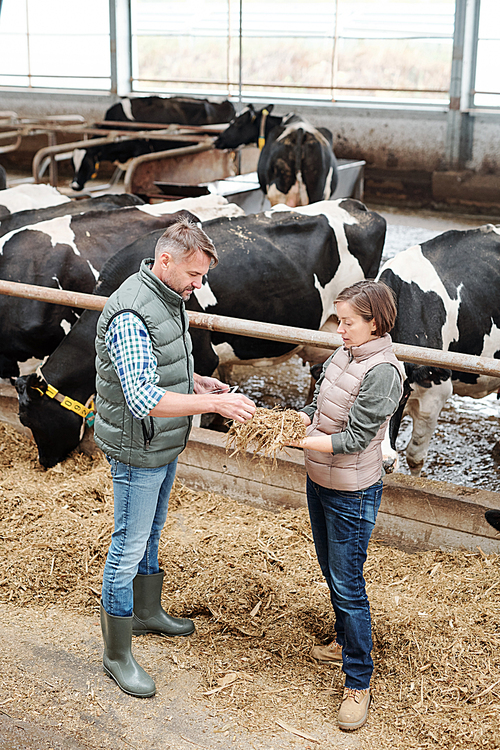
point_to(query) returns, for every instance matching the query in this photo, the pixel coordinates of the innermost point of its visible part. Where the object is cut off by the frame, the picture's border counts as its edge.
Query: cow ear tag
(36, 383)
(97, 165)
(262, 137)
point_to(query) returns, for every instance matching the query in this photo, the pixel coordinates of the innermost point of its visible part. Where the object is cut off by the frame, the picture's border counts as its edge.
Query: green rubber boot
(118, 661)
(149, 615)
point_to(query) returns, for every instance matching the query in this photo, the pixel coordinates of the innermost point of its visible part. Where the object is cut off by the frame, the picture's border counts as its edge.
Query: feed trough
(244, 189)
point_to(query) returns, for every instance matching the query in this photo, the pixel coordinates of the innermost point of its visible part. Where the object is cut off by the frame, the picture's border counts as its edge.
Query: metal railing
(269, 331)
(61, 151)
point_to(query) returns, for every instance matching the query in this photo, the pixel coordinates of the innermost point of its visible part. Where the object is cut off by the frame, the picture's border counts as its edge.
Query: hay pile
(55, 525)
(251, 580)
(268, 432)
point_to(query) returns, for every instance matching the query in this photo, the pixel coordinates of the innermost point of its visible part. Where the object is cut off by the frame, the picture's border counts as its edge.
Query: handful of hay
(269, 431)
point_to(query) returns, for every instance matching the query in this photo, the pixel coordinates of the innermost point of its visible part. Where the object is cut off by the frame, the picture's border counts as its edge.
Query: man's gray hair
(184, 238)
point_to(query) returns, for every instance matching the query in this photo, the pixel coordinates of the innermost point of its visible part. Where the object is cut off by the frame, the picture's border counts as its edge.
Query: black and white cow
(86, 160)
(3, 178)
(297, 165)
(448, 297)
(25, 197)
(174, 109)
(99, 203)
(282, 266)
(147, 109)
(493, 518)
(65, 252)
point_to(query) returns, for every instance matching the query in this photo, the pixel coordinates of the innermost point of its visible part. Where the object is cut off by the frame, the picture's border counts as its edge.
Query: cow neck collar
(168, 295)
(360, 353)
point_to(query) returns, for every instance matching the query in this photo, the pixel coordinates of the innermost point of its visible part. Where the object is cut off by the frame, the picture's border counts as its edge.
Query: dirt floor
(250, 580)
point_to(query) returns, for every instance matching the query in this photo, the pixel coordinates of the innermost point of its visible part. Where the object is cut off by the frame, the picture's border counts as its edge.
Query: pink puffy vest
(343, 377)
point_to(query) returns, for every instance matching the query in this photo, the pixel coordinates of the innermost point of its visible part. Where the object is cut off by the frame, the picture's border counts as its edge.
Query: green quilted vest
(153, 441)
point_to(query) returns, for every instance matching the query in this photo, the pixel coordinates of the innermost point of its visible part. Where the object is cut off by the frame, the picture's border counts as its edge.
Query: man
(145, 400)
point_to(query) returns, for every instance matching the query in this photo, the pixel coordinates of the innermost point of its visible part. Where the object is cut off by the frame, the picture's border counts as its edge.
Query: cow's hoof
(415, 467)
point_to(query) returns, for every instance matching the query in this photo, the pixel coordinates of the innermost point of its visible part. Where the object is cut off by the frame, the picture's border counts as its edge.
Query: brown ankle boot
(328, 654)
(354, 709)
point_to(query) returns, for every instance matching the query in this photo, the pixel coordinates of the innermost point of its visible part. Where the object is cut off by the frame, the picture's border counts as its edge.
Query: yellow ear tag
(97, 165)
(262, 138)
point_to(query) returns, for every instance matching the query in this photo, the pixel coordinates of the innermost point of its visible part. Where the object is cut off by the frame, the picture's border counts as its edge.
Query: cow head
(84, 165)
(39, 412)
(426, 376)
(9, 368)
(493, 518)
(225, 111)
(243, 129)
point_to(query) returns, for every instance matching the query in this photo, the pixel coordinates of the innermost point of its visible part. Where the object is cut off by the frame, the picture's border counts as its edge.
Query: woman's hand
(300, 443)
(296, 443)
(320, 443)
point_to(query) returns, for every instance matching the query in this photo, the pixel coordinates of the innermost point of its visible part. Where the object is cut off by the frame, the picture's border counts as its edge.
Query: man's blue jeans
(342, 523)
(140, 509)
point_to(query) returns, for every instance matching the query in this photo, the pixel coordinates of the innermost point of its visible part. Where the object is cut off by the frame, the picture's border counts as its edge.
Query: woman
(358, 391)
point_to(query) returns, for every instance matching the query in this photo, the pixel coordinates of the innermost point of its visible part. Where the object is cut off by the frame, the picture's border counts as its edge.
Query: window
(317, 51)
(487, 86)
(55, 44)
(184, 45)
(321, 50)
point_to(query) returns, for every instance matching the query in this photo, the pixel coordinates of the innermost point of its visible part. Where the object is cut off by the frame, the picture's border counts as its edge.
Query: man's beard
(181, 292)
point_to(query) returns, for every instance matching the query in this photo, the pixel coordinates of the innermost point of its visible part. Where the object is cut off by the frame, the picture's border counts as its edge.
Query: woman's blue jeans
(342, 523)
(140, 508)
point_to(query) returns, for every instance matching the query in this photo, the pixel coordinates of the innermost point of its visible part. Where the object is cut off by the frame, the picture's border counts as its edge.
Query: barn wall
(405, 154)
(404, 149)
(34, 104)
(40, 105)
(485, 155)
(384, 139)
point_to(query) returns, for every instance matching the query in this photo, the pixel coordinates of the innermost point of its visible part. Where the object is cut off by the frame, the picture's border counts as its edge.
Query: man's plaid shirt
(131, 352)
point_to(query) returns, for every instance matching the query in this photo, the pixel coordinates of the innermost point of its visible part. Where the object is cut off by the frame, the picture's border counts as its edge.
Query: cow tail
(395, 422)
(299, 150)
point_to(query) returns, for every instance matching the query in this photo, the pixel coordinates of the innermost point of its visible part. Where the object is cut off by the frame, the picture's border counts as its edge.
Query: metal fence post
(463, 69)
(120, 47)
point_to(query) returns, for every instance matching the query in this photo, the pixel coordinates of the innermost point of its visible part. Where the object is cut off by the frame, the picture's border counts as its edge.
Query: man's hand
(205, 384)
(235, 406)
(210, 396)
(229, 405)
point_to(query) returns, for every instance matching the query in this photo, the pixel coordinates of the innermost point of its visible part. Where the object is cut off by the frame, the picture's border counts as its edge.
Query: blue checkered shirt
(131, 352)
